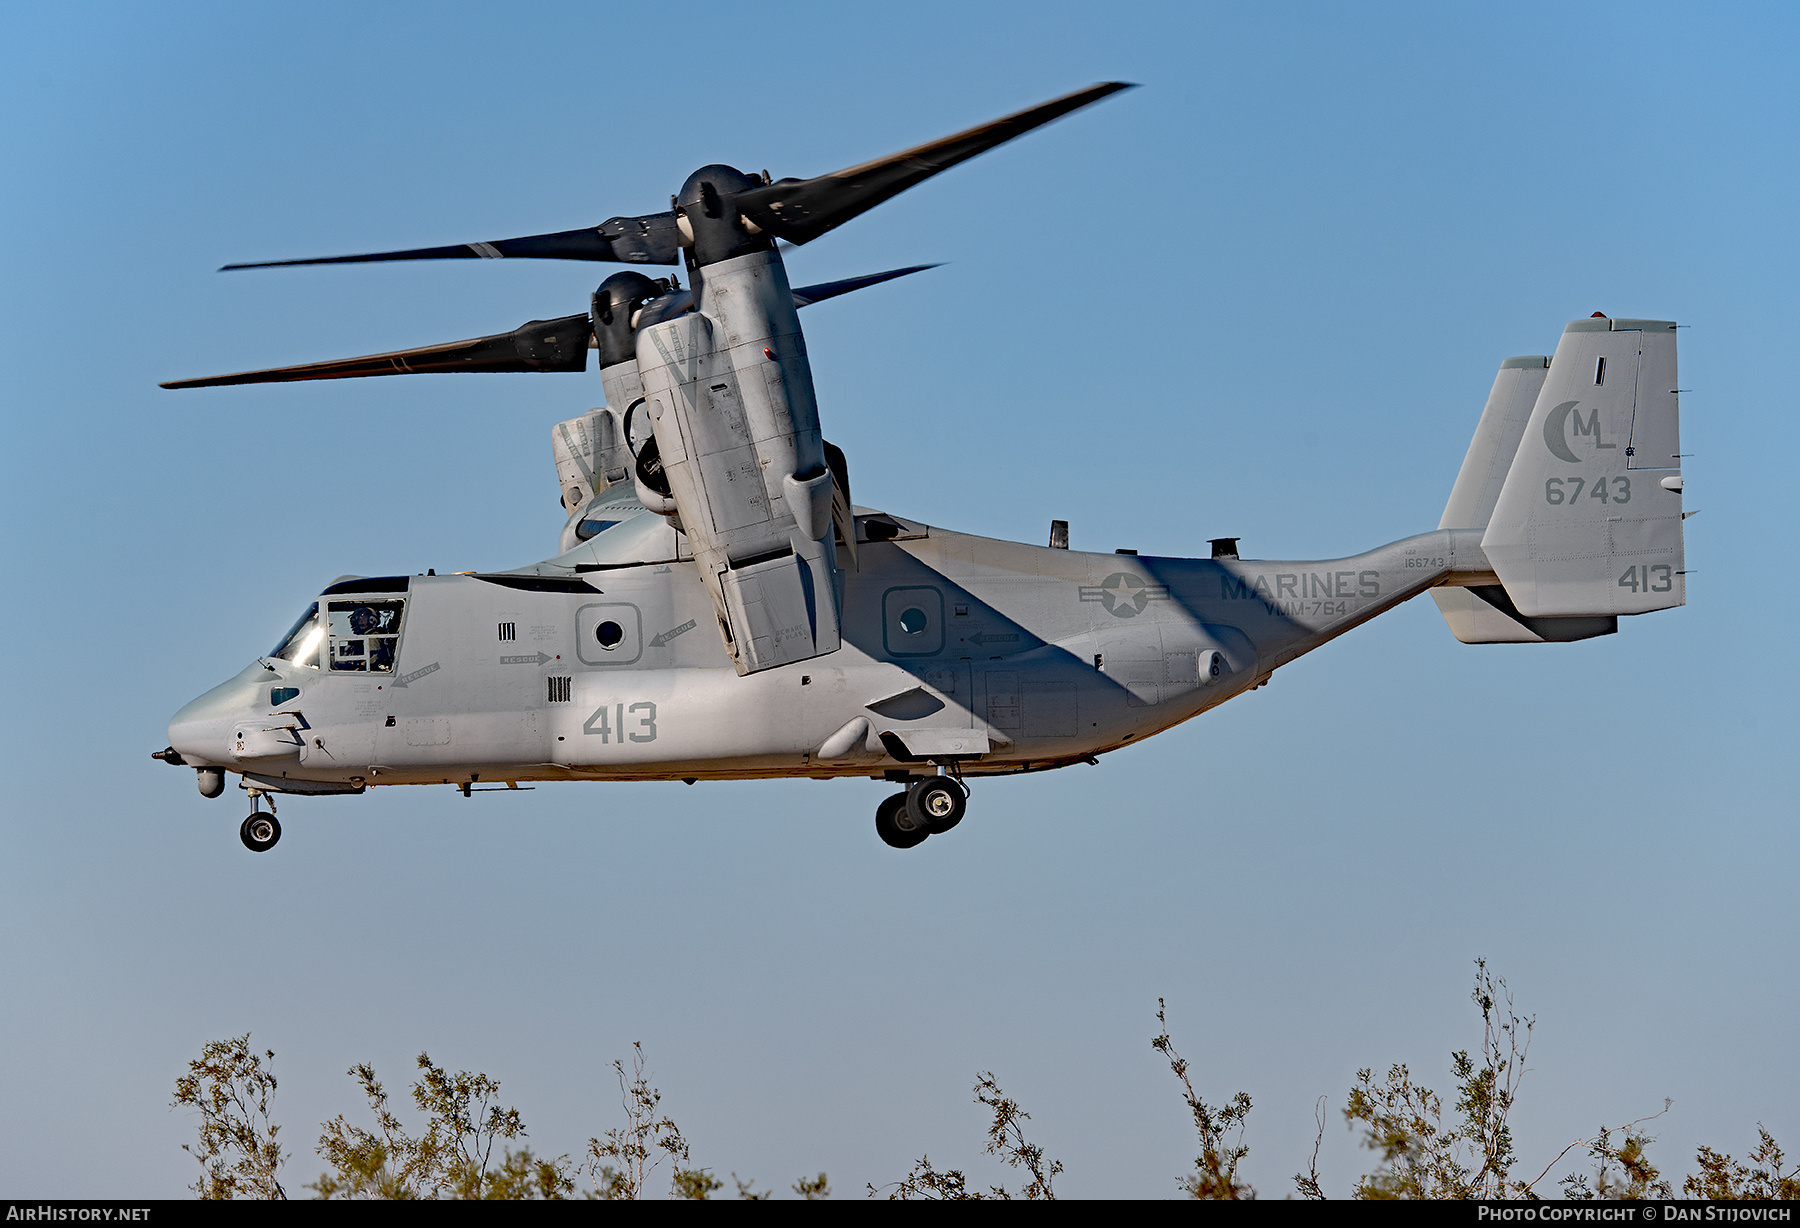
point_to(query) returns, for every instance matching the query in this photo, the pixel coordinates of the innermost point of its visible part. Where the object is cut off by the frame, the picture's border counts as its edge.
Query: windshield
(301, 644)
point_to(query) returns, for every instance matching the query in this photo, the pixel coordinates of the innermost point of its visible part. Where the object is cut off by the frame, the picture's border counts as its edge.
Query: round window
(913, 621)
(609, 634)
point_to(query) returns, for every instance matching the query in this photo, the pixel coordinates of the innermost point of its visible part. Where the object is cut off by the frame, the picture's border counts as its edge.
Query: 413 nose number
(623, 722)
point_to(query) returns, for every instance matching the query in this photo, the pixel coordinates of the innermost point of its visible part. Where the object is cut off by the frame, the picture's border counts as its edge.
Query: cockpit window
(592, 528)
(301, 644)
(365, 635)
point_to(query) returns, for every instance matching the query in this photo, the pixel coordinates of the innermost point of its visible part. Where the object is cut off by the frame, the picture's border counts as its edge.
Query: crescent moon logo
(1555, 432)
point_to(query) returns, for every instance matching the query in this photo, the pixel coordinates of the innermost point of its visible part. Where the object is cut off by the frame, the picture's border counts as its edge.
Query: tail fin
(1496, 441)
(1483, 614)
(1588, 522)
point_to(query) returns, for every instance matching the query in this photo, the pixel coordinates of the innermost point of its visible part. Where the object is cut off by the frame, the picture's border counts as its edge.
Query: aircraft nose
(199, 730)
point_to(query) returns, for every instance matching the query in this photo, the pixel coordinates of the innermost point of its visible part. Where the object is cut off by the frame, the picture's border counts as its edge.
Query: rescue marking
(405, 680)
(664, 637)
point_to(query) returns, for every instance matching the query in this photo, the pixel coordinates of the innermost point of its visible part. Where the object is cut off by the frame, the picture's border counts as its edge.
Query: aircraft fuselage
(990, 655)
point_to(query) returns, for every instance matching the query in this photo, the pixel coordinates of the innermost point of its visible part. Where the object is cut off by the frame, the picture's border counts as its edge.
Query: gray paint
(991, 656)
(1583, 526)
(746, 620)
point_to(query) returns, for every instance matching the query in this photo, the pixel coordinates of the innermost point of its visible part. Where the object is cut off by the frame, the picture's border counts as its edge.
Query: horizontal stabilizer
(1486, 615)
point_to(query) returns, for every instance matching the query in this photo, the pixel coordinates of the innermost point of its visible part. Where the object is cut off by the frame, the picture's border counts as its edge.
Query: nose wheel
(260, 831)
(929, 807)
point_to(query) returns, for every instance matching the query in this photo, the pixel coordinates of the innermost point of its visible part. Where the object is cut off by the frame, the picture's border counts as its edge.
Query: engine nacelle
(590, 455)
(730, 397)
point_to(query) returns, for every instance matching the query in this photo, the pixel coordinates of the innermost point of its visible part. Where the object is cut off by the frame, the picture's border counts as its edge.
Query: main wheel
(939, 801)
(260, 832)
(896, 827)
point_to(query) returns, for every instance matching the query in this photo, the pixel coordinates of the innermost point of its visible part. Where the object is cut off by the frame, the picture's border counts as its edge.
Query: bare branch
(1215, 1175)
(1308, 1184)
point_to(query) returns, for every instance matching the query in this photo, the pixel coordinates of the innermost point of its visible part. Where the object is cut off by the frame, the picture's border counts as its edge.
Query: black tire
(259, 832)
(939, 800)
(895, 826)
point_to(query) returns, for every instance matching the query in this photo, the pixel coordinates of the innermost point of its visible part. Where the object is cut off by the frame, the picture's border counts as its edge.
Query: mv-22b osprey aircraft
(719, 608)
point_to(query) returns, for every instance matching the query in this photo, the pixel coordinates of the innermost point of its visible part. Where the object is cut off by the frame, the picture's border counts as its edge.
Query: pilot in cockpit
(381, 653)
(367, 621)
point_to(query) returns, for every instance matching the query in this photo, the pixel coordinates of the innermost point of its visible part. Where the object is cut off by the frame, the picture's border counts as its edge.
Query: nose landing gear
(260, 831)
(930, 806)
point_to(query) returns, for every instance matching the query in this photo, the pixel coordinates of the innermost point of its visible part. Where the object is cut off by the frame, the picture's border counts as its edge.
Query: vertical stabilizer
(1484, 615)
(1496, 441)
(1588, 521)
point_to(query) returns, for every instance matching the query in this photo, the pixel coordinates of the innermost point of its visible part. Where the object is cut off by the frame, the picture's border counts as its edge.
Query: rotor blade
(800, 210)
(540, 345)
(651, 239)
(670, 306)
(806, 296)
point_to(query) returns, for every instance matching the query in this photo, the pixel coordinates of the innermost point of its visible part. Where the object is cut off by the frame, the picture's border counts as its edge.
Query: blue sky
(1263, 296)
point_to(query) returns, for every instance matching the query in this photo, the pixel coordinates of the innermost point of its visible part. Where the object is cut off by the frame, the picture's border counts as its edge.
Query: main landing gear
(260, 831)
(930, 806)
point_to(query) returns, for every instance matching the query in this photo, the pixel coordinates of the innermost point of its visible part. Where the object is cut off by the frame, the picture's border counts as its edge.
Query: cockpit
(346, 631)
